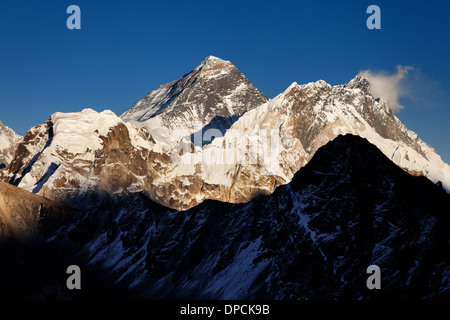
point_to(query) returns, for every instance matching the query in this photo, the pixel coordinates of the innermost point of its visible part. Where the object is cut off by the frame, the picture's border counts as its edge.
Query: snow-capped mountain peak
(8, 141)
(212, 61)
(79, 131)
(292, 85)
(7, 136)
(214, 90)
(359, 82)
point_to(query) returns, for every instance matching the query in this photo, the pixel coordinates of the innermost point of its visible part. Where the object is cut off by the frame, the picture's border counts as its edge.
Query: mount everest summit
(214, 91)
(206, 179)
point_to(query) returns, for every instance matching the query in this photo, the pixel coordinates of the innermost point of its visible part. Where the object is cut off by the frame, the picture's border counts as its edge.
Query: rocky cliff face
(22, 212)
(348, 208)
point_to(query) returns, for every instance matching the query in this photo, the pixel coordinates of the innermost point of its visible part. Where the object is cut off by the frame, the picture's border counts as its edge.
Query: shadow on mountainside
(312, 239)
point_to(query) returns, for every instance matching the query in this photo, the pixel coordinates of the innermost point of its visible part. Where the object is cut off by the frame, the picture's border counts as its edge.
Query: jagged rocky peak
(359, 82)
(8, 142)
(293, 85)
(7, 133)
(214, 90)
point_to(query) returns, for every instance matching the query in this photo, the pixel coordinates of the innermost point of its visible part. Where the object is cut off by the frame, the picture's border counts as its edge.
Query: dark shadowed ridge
(312, 239)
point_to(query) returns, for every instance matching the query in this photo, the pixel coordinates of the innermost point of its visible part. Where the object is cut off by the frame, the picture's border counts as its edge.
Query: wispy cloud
(389, 87)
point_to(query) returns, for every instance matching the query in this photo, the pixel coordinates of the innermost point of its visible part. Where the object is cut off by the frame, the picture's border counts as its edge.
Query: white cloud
(388, 87)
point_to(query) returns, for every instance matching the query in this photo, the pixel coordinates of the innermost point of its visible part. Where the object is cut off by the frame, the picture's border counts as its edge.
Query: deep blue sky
(126, 49)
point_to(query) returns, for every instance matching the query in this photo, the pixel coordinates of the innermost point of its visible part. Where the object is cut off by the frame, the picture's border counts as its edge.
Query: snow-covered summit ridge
(79, 131)
(211, 61)
(7, 136)
(8, 143)
(214, 59)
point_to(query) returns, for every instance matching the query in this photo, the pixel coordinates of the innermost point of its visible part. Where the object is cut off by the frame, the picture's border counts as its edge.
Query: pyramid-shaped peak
(213, 88)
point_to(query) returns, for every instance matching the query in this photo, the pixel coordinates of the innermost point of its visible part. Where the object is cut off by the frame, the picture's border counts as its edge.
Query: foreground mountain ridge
(313, 238)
